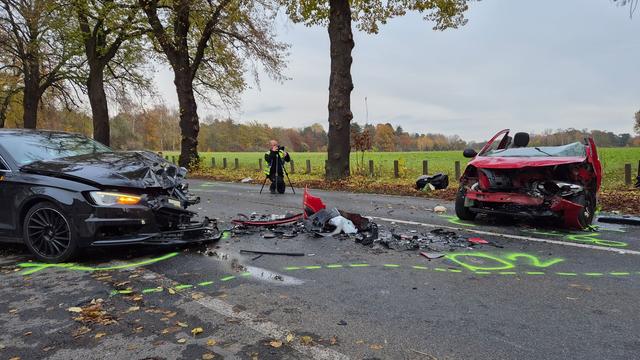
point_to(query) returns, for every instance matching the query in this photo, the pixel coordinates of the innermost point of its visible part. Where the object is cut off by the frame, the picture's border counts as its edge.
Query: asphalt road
(537, 292)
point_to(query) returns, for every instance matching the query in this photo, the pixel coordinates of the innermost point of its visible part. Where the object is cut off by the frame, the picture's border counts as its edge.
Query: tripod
(276, 177)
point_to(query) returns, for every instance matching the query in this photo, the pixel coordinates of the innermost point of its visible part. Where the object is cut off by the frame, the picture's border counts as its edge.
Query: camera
(281, 148)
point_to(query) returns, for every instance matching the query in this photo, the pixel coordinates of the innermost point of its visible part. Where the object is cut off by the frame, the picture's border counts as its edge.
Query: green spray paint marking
(535, 273)
(469, 260)
(358, 265)
(227, 278)
(33, 267)
(593, 274)
(183, 286)
(391, 265)
(457, 221)
(334, 266)
(313, 267)
(619, 273)
(588, 238)
(566, 274)
(152, 290)
(289, 268)
(205, 283)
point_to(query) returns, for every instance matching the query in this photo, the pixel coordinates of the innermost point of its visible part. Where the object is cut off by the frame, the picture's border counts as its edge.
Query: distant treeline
(157, 128)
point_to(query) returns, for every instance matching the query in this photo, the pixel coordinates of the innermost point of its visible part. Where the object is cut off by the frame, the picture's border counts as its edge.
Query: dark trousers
(277, 182)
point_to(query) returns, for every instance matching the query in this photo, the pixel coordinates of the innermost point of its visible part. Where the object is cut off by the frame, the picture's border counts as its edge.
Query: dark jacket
(275, 161)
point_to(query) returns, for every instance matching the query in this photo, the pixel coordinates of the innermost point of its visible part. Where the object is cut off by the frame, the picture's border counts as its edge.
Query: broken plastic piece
(432, 255)
(478, 241)
(311, 204)
(271, 253)
(343, 225)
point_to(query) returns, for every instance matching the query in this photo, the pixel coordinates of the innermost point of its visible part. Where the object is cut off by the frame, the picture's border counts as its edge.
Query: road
(535, 292)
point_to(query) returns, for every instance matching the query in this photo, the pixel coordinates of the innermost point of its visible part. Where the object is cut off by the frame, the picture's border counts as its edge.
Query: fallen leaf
(171, 291)
(181, 324)
(48, 348)
(275, 343)
(376, 347)
(182, 341)
(207, 356)
(197, 296)
(15, 358)
(28, 333)
(133, 308)
(13, 311)
(137, 298)
(81, 331)
(75, 309)
(333, 340)
(99, 335)
(138, 329)
(171, 314)
(196, 331)
(306, 340)
(211, 342)
(359, 341)
(290, 337)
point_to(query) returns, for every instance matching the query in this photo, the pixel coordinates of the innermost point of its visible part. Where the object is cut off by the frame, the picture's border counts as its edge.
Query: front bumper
(523, 205)
(140, 224)
(204, 231)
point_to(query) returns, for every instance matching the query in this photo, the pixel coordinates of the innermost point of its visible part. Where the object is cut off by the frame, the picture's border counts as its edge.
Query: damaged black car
(62, 192)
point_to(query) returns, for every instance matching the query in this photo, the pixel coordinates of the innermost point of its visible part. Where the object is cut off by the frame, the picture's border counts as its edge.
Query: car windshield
(27, 147)
(573, 149)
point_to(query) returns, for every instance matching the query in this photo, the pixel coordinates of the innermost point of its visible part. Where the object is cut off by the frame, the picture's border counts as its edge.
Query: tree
(209, 45)
(636, 125)
(36, 40)
(111, 32)
(338, 15)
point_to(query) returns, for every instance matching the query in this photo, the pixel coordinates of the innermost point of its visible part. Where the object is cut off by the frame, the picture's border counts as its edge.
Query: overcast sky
(528, 65)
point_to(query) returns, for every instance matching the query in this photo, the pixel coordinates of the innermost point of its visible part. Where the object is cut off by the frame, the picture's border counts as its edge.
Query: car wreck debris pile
(319, 221)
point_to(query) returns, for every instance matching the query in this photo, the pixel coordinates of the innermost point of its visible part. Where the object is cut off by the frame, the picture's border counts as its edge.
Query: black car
(61, 192)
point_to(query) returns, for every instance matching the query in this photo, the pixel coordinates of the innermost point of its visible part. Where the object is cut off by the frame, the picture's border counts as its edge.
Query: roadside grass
(410, 165)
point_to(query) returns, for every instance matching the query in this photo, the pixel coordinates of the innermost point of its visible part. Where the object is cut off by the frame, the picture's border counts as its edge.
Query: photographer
(275, 158)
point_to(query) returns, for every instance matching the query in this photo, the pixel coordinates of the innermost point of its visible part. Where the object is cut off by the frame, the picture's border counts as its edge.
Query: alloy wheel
(48, 232)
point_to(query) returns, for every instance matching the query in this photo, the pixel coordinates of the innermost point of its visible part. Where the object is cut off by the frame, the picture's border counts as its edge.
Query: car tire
(48, 233)
(463, 212)
(588, 202)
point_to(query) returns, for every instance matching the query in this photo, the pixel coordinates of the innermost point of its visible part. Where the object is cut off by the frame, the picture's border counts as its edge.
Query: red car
(508, 178)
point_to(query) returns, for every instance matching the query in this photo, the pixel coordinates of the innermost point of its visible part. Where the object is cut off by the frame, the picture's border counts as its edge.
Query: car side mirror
(469, 153)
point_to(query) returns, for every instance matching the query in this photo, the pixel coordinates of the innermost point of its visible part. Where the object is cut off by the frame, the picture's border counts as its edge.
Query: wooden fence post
(425, 167)
(224, 163)
(396, 168)
(326, 166)
(237, 164)
(293, 169)
(627, 174)
(173, 159)
(308, 166)
(457, 168)
(371, 171)
(260, 164)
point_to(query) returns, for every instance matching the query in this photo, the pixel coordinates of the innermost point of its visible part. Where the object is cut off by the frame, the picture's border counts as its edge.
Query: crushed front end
(564, 192)
(154, 214)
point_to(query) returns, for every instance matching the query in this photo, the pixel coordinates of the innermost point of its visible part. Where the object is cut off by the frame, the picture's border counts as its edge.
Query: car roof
(34, 131)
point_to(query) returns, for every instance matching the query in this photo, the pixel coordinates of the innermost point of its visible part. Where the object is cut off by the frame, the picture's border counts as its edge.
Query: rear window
(27, 147)
(574, 149)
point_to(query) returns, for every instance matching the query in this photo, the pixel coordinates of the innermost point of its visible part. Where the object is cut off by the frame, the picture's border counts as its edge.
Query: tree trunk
(99, 110)
(340, 86)
(30, 100)
(189, 122)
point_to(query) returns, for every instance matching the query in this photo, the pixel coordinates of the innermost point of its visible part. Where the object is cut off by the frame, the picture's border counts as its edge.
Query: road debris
(438, 181)
(622, 219)
(440, 209)
(271, 253)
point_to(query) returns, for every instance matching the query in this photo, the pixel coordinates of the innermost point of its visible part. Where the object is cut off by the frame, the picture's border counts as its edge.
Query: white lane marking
(251, 321)
(517, 237)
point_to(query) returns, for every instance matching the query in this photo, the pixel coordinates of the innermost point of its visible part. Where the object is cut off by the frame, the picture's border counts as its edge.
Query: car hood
(132, 169)
(496, 162)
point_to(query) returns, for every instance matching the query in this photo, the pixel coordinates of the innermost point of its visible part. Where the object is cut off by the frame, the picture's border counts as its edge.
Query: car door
(6, 217)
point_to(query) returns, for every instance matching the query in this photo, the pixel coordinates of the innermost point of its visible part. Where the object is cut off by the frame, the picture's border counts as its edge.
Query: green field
(410, 163)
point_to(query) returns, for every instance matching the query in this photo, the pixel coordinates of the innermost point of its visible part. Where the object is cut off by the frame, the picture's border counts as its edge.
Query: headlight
(108, 198)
